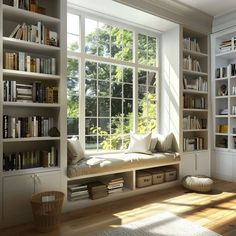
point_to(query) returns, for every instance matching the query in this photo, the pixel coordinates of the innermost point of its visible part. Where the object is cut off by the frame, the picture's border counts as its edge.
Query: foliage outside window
(109, 80)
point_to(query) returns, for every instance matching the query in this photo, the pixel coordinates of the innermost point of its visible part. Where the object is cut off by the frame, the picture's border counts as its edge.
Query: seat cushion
(198, 183)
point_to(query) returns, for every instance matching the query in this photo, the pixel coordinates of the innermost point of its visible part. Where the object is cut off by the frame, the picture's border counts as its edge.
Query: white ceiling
(124, 13)
(212, 7)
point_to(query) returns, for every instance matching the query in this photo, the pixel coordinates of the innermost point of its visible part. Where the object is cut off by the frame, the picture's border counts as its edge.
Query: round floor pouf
(198, 183)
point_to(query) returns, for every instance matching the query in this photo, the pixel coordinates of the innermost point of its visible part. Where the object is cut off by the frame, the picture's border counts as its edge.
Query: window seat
(120, 161)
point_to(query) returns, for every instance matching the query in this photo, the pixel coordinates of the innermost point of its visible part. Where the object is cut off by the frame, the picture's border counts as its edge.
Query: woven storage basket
(47, 213)
(198, 183)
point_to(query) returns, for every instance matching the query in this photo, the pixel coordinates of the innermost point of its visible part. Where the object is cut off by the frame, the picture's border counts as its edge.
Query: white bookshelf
(222, 56)
(36, 179)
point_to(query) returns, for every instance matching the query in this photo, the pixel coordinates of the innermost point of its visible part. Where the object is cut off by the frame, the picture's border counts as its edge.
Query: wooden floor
(215, 211)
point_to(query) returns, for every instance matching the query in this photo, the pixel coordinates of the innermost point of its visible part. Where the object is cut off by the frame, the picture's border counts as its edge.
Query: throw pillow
(75, 151)
(162, 143)
(139, 143)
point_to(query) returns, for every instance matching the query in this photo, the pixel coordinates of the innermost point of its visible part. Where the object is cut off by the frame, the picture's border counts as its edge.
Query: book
(14, 31)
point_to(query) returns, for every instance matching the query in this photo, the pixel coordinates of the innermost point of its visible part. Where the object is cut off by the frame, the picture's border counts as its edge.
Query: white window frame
(82, 56)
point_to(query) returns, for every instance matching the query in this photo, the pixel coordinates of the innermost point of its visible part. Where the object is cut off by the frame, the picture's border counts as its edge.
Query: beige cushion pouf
(198, 183)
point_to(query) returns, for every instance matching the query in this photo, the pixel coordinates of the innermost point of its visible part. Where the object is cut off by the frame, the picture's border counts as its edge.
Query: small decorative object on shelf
(223, 91)
(54, 132)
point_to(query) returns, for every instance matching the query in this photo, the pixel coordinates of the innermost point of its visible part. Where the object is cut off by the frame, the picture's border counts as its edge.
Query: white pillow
(75, 151)
(162, 143)
(139, 143)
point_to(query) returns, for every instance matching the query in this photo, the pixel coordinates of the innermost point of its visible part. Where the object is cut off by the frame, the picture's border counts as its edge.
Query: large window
(118, 84)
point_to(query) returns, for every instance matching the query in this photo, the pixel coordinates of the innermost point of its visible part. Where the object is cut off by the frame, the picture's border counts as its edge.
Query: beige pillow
(75, 151)
(139, 143)
(162, 143)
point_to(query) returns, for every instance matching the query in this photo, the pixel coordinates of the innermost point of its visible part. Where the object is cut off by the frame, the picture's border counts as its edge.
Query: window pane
(147, 50)
(128, 90)
(116, 107)
(103, 71)
(147, 104)
(128, 107)
(72, 96)
(72, 126)
(73, 42)
(73, 24)
(91, 106)
(104, 124)
(116, 89)
(90, 87)
(104, 107)
(90, 142)
(104, 88)
(128, 75)
(72, 67)
(91, 38)
(90, 126)
(91, 70)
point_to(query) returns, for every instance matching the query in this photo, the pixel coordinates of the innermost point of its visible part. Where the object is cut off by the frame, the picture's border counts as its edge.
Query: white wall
(170, 83)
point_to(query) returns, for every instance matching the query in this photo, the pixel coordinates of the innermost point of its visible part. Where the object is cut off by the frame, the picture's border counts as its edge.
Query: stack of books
(97, 190)
(115, 185)
(227, 45)
(198, 83)
(77, 192)
(191, 44)
(191, 64)
(192, 144)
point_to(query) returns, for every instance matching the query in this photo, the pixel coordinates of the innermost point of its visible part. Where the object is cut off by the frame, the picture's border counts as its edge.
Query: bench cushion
(119, 161)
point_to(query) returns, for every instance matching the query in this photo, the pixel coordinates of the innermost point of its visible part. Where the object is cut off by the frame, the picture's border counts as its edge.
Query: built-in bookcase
(224, 90)
(194, 91)
(195, 123)
(32, 105)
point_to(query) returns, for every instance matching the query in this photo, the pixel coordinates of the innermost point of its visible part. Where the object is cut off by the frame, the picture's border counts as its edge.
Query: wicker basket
(46, 208)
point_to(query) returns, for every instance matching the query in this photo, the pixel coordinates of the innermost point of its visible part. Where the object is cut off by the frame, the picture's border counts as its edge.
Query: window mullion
(135, 83)
(82, 84)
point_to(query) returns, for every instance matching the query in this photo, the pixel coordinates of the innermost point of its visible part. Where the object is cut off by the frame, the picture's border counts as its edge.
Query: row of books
(28, 5)
(77, 192)
(23, 62)
(191, 44)
(36, 92)
(35, 33)
(222, 128)
(224, 71)
(227, 45)
(191, 64)
(25, 127)
(199, 83)
(192, 144)
(192, 122)
(194, 102)
(30, 159)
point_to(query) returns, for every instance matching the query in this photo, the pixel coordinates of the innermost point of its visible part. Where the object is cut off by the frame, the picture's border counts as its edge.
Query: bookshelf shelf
(10, 12)
(194, 53)
(227, 55)
(221, 97)
(31, 104)
(29, 46)
(30, 171)
(195, 130)
(192, 91)
(31, 139)
(222, 134)
(191, 72)
(33, 75)
(194, 110)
